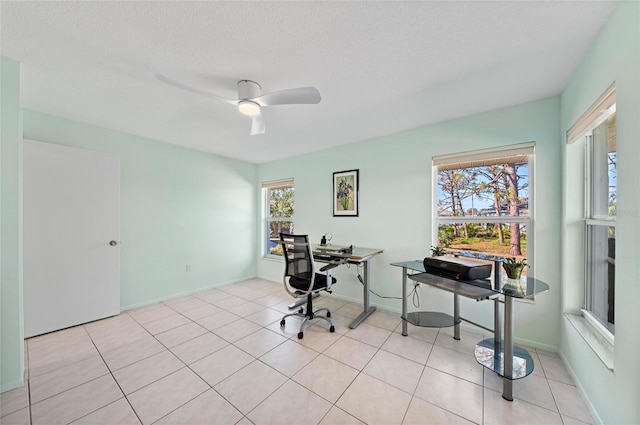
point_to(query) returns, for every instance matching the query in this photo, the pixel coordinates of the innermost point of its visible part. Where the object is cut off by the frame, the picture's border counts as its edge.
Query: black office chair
(301, 280)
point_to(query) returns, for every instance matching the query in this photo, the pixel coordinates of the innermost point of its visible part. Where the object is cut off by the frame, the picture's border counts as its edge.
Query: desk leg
(367, 310)
(404, 302)
(507, 382)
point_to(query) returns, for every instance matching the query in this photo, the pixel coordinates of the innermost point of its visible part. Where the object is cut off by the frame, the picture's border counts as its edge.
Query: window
(483, 202)
(597, 130)
(278, 213)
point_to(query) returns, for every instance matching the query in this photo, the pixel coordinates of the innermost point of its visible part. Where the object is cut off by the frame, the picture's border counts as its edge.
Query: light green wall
(614, 57)
(396, 206)
(11, 346)
(178, 206)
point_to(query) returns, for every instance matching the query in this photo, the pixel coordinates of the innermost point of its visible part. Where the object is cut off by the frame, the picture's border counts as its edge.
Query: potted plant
(514, 267)
(437, 251)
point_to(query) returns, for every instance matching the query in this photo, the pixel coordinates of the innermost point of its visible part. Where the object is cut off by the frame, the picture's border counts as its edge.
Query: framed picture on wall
(345, 193)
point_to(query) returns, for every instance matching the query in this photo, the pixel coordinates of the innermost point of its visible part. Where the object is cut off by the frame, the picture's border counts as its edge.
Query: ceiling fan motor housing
(248, 89)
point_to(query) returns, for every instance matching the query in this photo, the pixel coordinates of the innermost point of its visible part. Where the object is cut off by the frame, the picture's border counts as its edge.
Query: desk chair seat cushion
(301, 281)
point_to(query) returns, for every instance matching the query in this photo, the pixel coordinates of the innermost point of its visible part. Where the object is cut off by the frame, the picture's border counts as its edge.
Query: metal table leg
(404, 302)
(456, 317)
(367, 309)
(507, 380)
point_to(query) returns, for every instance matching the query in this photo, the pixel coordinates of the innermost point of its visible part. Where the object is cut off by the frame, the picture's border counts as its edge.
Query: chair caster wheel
(282, 322)
(300, 335)
(332, 329)
(301, 311)
(328, 314)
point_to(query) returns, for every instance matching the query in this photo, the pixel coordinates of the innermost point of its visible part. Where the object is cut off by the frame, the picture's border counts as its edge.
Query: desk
(442, 320)
(332, 254)
(493, 353)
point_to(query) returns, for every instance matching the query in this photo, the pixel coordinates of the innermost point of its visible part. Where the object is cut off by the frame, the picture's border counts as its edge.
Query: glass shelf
(485, 355)
(430, 319)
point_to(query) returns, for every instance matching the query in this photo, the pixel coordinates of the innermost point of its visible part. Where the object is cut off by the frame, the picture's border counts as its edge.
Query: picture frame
(346, 188)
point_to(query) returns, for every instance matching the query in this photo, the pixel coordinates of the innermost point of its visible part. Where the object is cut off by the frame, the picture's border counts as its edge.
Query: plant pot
(513, 272)
(513, 282)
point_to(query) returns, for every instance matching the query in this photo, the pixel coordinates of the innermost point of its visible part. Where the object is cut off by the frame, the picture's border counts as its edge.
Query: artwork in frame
(345, 193)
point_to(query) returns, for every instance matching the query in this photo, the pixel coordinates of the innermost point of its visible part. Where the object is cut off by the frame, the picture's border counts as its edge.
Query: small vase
(513, 284)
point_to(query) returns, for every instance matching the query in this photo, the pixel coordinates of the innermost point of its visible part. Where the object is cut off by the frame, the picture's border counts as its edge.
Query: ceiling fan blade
(302, 95)
(194, 90)
(257, 125)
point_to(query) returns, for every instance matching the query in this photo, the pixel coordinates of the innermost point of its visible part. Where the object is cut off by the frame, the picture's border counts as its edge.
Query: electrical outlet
(188, 267)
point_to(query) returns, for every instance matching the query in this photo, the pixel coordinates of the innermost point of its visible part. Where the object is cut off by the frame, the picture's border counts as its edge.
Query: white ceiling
(381, 67)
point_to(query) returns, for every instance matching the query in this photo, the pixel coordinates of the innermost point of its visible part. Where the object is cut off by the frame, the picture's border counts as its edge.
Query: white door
(71, 239)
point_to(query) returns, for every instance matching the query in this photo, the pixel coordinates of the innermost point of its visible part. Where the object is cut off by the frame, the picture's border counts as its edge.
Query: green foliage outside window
(280, 216)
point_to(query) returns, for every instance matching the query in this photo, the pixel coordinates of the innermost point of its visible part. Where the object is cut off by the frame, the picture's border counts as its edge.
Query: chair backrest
(298, 259)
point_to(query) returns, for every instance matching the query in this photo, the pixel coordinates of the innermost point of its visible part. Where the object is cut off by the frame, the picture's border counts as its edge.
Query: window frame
(592, 220)
(470, 157)
(267, 219)
(577, 181)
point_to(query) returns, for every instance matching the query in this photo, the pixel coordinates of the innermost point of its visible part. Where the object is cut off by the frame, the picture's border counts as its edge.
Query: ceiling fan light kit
(248, 107)
(251, 100)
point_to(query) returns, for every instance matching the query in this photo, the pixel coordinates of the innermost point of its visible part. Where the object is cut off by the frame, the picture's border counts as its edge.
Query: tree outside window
(483, 205)
(279, 204)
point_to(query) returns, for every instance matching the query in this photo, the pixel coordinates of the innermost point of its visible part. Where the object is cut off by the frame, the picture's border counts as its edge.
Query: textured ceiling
(381, 67)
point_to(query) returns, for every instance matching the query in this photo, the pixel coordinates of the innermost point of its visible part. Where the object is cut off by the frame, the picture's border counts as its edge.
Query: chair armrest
(327, 270)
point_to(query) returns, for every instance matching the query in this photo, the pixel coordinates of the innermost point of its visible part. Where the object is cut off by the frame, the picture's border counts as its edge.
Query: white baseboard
(182, 294)
(585, 397)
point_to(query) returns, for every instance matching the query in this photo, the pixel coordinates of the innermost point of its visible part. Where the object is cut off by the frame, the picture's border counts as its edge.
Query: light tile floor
(221, 357)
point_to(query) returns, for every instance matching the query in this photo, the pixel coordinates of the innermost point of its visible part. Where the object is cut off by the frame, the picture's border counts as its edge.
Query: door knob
(113, 243)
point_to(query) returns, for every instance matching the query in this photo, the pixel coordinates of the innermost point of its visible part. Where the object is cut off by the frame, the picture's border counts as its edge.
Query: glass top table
(493, 353)
(525, 287)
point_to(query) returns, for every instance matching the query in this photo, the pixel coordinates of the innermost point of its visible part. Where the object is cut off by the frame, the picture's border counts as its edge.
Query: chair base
(309, 314)
(300, 302)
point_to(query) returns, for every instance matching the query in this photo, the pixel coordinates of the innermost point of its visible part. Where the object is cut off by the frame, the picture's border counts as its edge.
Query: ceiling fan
(251, 100)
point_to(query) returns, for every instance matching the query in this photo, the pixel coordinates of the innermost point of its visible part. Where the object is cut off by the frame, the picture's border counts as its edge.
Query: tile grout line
(90, 380)
(209, 385)
(29, 385)
(424, 367)
(245, 416)
(457, 377)
(114, 379)
(230, 343)
(255, 359)
(194, 372)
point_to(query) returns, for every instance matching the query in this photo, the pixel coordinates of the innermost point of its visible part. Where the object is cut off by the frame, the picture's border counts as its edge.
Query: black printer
(457, 268)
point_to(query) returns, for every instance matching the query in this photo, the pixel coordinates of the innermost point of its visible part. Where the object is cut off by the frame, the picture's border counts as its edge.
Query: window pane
(281, 202)
(605, 178)
(601, 266)
(275, 227)
(489, 238)
(486, 191)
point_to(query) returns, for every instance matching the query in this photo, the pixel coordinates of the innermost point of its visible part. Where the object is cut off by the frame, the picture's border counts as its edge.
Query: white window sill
(598, 343)
(273, 258)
